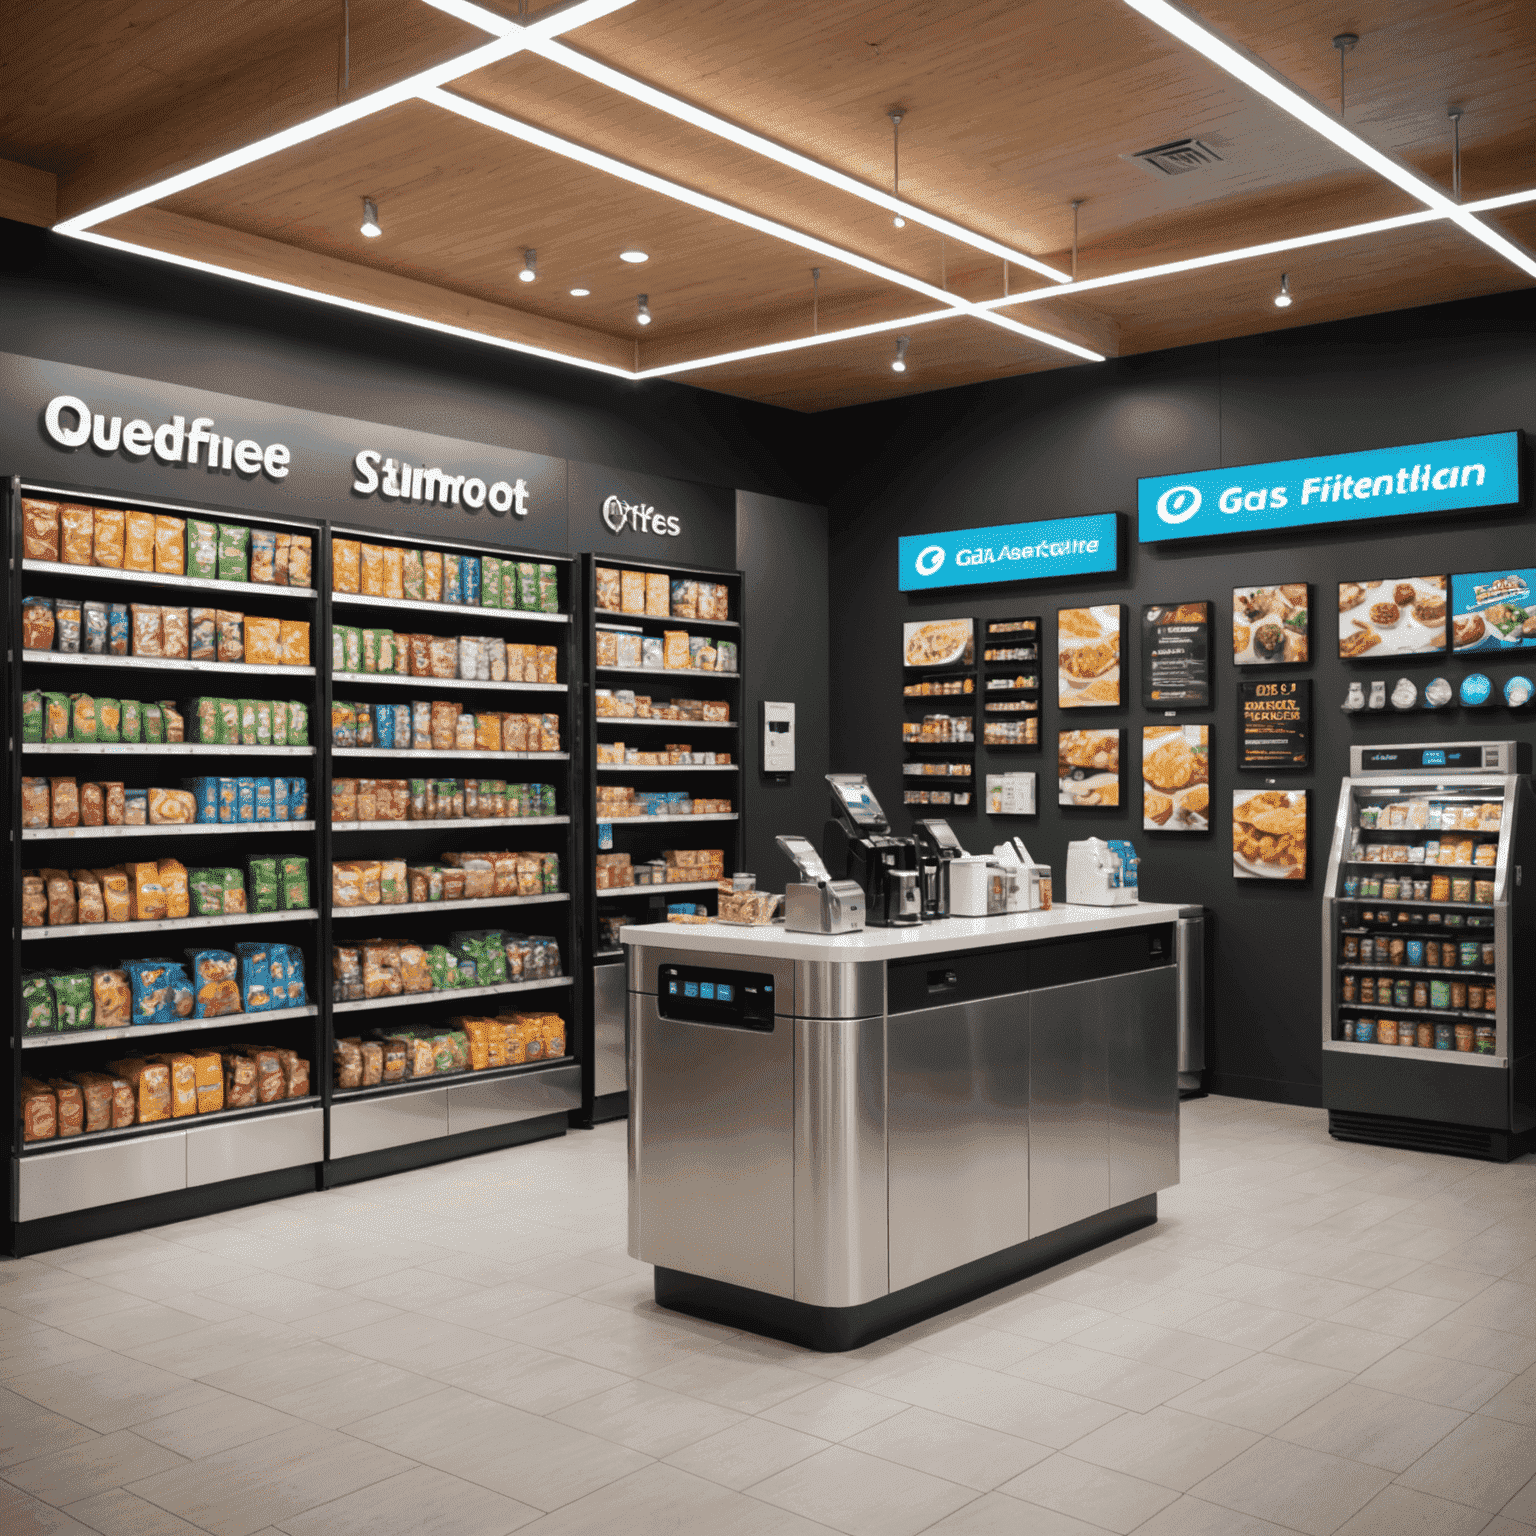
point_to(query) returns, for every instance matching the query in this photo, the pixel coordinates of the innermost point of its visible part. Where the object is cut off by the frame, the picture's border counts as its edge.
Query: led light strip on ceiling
(592, 158)
(625, 85)
(1180, 22)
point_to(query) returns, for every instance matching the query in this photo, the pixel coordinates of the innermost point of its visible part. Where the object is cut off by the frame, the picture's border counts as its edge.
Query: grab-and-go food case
(1426, 977)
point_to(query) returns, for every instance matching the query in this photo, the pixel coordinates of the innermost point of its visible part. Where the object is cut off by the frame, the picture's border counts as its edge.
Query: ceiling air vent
(1177, 158)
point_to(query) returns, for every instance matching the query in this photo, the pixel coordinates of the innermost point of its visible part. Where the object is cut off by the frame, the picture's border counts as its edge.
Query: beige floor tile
(1357, 1266)
(1451, 1383)
(1195, 1517)
(422, 1500)
(139, 1323)
(414, 1342)
(112, 1255)
(22, 1515)
(108, 1392)
(1484, 1462)
(529, 1378)
(1404, 1315)
(216, 1347)
(1504, 1305)
(1523, 1506)
(862, 1495)
(213, 1427)
(1046, 1319)
(996, 1514)
(950, 1448)
(552, 1464)
(28, 1431)
(265, 1482)
(1128, 1384)
(1166, 1348)
(732, 1381)
(746, 1453)
(1294, 1486)
(1444, 1280)
(1232, 1322)
(1501, 1525)
(1337, 1345)
(1111, 1500)
(1261, 1393)
(976, 1345)
(648, 1418)
(1381, 1429)
(1402, 1512)
(120, 1513)
(832, 1411)
(1477, 1345)
(77, 1471)
(1517, 1401)
(21, 1354)
(1164, 1446)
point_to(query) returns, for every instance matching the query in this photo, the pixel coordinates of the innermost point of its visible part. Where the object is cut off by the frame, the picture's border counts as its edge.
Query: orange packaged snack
(71, 1104)
(77, 534)
(371, 570)
(632, 591)
(40, 529)
(208, 1073)
(151, 1081)
(183, 1082)
(346, 561)
(394, 571)
(173, 878)
(658, 595)
(39, 1111)
(111, 530)
(263, 642)
(139, 541)
(488, 733)
(146, 895)
(175, 634)
(170, 545)
(432, 568)
(148, 629)
(293, 642)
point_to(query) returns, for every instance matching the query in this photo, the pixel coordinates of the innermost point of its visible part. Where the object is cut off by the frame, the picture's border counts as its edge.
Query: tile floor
(1314, 1337)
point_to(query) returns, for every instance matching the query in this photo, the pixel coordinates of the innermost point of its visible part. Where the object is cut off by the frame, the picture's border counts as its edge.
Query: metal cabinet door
(1143, 1061)
(958, 1148)
(610, 1005)
(712, 1149)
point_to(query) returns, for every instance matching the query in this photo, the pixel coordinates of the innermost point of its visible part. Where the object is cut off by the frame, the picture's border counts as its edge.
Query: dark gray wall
(1076, 441)
(782, 547)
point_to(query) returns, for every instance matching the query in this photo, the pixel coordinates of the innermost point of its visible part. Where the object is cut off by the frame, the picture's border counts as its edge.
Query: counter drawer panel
(77, 1178)
(1068, 1104)
(370, 1125)
(958, 1134)
(1143, 1060)
(236, 1148)
(476, 1106)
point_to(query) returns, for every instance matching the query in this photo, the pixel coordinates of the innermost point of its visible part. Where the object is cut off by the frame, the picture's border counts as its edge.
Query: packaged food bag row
(439, 725)
(80, 717)
(656, 595)
(443, 576)
(249, 722)
(367, 800)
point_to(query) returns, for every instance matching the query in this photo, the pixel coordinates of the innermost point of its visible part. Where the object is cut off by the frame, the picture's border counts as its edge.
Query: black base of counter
(1446, 1138)
(833, 1330)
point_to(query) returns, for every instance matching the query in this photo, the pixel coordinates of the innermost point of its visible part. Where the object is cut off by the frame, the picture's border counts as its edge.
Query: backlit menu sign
(1423, 478)
(1176, 647)
(968, 557)
(1275, 724)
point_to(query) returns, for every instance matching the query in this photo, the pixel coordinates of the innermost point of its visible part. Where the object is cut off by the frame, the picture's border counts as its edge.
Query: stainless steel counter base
(835, 1329)
(900, 1134)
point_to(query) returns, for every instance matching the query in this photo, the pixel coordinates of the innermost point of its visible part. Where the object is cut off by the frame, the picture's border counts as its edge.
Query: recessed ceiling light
(370, 225)
(530, 272)
(1283, 298)
(633, 257)
(580, 293)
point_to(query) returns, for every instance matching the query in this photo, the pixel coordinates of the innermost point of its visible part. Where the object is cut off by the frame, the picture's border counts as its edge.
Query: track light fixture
(899, 362)
(642, 310)
(530, 272)
(1283, 298)
(896, 118)
(370, 225)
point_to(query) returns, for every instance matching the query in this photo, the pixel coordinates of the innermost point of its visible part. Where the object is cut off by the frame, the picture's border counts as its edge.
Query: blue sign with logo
(967, 557)
(1449, 476)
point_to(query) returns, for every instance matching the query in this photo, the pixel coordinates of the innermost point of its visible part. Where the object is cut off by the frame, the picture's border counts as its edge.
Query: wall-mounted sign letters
(967, 557)
(1450, 476)
(1275, 724)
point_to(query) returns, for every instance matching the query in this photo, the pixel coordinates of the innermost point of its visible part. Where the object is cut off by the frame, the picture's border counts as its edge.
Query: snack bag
(234, 891)
(263, 641)
(39, 1111)
(239, 1080)
(170, 545)
(370, 569)
(183, 1082)
(293, 877)
(208, 1070)
(37, 624)
(77, 533)
(256, 978)
(32, 716)
(71, 1105)
(203, 634)
(263, 884)
(151, 991)
(293, 642)
(298, 724)
(234, 542)
(202, 549)
(139, 541)
(173, 878)
(40, 529)
(230, 631)
(299, 560)
(413, 576)
(109, 720)
(346, 565)
(38, 1012)
(264, 556)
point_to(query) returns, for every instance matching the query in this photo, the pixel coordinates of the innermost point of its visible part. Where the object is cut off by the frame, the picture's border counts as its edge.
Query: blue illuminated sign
(969, 557)
(1434, 759)
(1449, 476)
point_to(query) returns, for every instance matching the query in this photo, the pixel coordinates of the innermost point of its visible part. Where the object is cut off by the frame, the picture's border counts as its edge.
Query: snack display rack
(647, 838)
(1424, 988)
(1013, 678)
(939, 713)
(79, 1187)
(71, 1188)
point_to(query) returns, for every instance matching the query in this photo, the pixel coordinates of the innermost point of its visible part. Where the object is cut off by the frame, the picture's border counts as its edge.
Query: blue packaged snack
(279, 799)
(117, 629)
(263, 799)
(150, 981)
(229, 800)
(402, 727)
(469, 579)
(295, 958)
(216, 991)
(453, 577)
(384, 726)
(206, 793)
(135, 807)
(245, 799)
(298, 800)
(181, 991)
(255, 977)
(277, 973)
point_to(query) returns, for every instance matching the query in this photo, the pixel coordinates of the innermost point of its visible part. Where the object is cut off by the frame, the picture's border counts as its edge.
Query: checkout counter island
(832, 1137)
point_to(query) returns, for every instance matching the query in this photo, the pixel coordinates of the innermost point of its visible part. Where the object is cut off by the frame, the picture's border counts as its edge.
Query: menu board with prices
(1011, 794)
(1275, 722)
(1176, 641)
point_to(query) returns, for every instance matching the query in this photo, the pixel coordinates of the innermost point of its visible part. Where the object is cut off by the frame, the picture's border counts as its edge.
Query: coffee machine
(857, 845)
(938, 848)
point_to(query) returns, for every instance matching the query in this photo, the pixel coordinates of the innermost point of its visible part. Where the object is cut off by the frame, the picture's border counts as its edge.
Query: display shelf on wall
(452, 610)
(607, 722)
(166, 1127)
(443, 1079)
(179, 829)
(452, 821)
(167, 924)
(343, 680)
(657, 890)
(1415, 1053)
(644, 821)
(685, 674)
(381, 909)
(443, 755)
(180, 1027)
(260, 589)
(668, 767)
(621, 620)
(157, 749)
(406, 999)
(162, 664)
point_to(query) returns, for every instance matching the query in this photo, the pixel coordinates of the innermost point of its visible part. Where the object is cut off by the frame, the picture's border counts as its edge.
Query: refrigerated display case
(1426, 979)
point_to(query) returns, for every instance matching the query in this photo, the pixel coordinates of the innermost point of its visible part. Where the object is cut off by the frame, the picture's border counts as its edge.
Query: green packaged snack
(247, 736)
(234, 547)
(386, 650)
(32, 717)
(263, 886)
(109, 720)
(279, 724)
(234, 890)
(527, 585)
(55, 717)
(202, 549)
(390, 893)
(206, 888)
(549, 590)
(229, 722)
(154, 723)
(442, 965)
(298, 724)
(551, 872)
(82, 709)
(490, 581)
(352, 642)
(414, 570)
(74, 1000)
(205, 720)
(370, 650)
(263, 722)
(37, 1005)
(133, 720)
(338, 650)
(293, 877)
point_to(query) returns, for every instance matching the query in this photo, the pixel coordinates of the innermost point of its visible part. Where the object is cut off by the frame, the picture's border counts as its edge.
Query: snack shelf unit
(1425, 1042)
(1024, 632)
(74, 1188)
(645, 838)
(377, 1128)
(922, 757)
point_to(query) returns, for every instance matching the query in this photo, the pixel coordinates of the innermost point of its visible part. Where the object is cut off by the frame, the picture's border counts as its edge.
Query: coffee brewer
(938, 848)
(857, 845)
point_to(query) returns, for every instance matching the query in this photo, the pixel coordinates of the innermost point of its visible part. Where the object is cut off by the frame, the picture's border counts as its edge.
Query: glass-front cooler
(1426, 940)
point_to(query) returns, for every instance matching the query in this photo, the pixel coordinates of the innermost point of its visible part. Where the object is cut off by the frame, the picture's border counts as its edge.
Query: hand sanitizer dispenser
(1102, 874)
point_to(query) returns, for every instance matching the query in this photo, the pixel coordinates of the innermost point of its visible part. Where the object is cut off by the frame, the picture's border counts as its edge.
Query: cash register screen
(863, 809)
(699, 994)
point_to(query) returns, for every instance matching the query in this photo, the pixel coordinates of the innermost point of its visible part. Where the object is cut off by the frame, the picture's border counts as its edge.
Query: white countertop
(941, 937)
